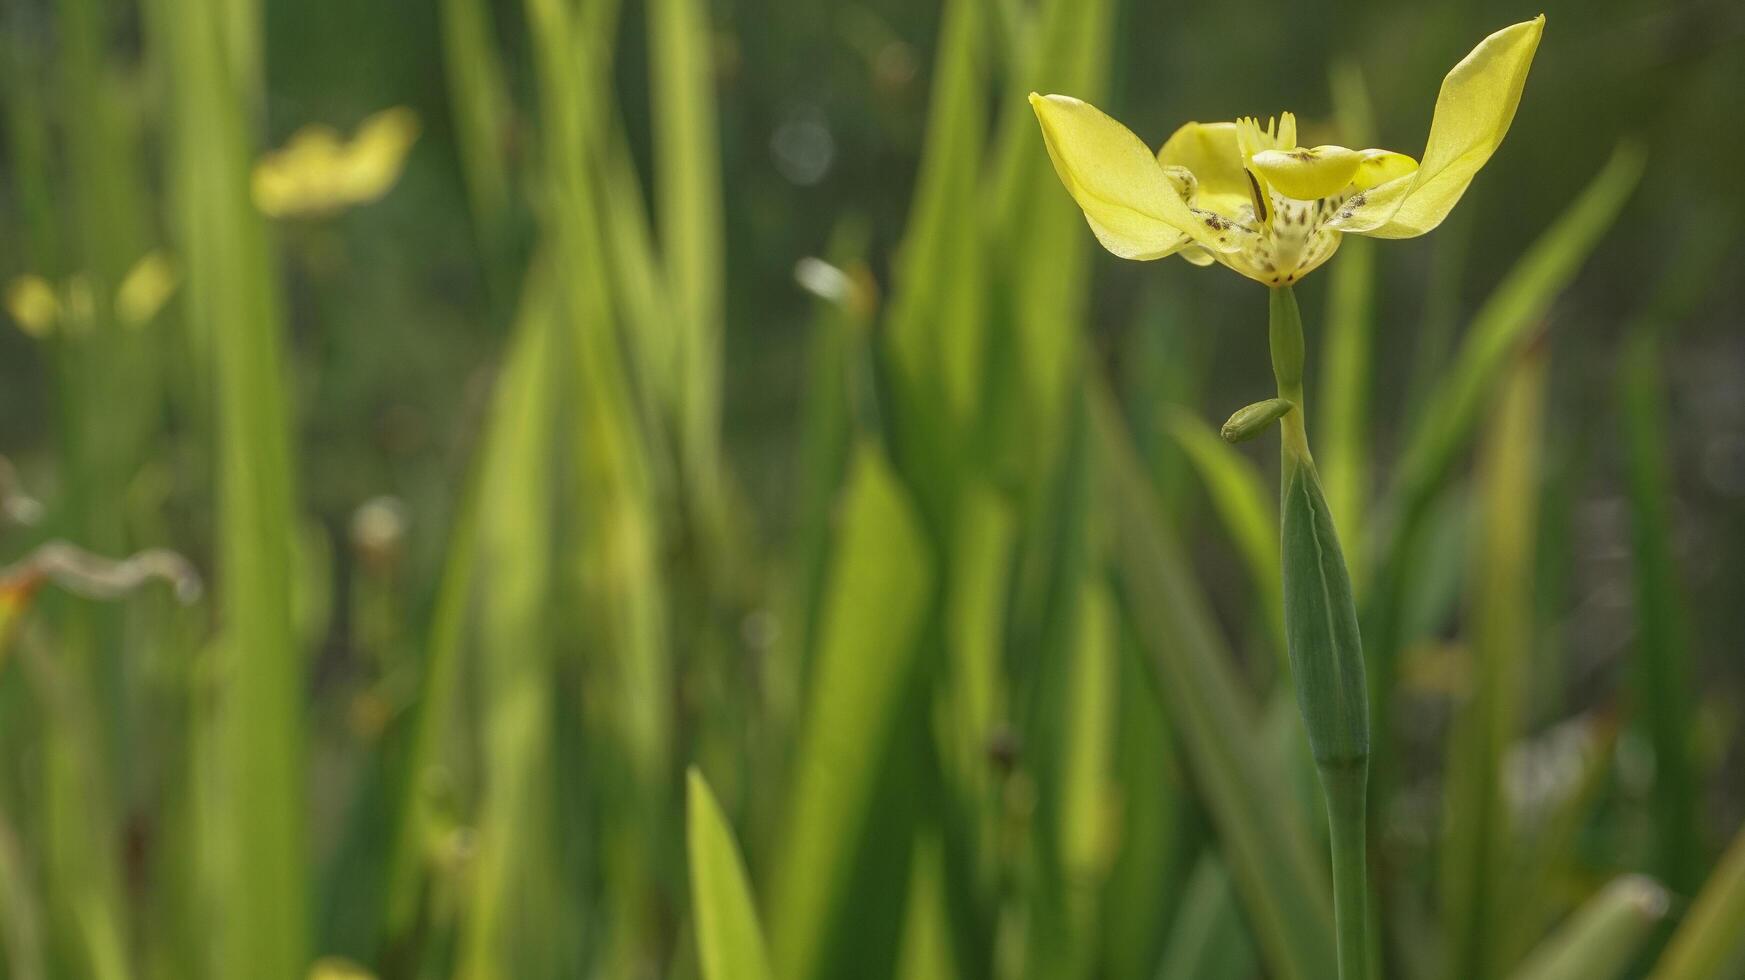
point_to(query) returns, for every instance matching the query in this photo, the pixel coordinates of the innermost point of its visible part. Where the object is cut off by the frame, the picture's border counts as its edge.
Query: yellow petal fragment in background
(32, 303)
(377, 155)
(317, 172)
(1308, 174)
(1210, 153)
(1125, 194)
(1473, 112)
(145, 289)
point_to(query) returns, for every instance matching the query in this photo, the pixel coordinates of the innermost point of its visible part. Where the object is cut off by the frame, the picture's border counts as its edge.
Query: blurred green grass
(549, 478)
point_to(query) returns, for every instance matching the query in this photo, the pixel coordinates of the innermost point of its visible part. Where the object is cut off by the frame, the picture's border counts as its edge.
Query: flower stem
(1344, 789)
(1325, 649)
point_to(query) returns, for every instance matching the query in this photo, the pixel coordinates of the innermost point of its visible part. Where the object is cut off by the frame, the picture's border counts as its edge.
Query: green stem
(1326, 658)
(1344, 788)
(1286, 334)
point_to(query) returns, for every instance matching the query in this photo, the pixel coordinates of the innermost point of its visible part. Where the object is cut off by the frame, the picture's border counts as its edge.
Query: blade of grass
(479, 94)
(514, 560)
(79, 872)
(234, 302)
(1043, 259)
(730, 942)
(1284, 889)
(936, 316)
(20, 914)
(1505, 322)
(628, 680)
(1343, 453)
(1207, 941)
(1085, 815)
(975, 687)
(1477, 850)
(1601, 938)
(1663, 694)
(435, 706)
(869, 638)
(688, 192)
(1158, 841)
(1233, 484)
(1710, 942)
(1546, 850)
(927, 952)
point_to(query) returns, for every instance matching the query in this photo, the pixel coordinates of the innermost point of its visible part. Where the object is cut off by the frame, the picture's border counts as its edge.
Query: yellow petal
(1125, 194)
(1197, 255)
(1380, 166)
(375, 157)
(1308, 174)
(1210, 153)
(33, 305)
(145, 289)
(1473, 112)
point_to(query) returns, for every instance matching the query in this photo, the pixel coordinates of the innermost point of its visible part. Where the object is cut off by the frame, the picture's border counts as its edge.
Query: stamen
(1259, 199)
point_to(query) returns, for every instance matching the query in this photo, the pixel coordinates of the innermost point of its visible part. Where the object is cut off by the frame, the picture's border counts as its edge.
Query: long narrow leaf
(729, 940)
(1478, 851)
(1602, 937)
(234, 303)
(1283, 887)
(1710, 943)
(880, 587)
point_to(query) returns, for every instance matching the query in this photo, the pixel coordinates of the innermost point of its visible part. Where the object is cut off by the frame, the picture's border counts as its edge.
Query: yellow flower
(145, 289)
(1251, 198)
(33, 305)
(316, 172)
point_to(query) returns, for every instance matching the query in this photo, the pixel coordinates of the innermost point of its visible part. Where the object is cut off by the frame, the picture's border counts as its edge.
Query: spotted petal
(1308, 173)
(1473, 112)
(1127, 197)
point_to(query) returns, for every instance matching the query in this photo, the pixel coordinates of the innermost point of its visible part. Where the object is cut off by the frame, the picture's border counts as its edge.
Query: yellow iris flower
(1251, 198)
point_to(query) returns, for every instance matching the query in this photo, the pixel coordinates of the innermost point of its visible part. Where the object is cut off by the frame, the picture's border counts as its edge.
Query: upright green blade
(868, 641)
(234, 303)
(729, 940)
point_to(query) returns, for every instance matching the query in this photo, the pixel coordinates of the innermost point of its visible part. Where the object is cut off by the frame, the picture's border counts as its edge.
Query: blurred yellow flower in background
(39, 308)
(316, 172)
(1252, 199)
(145, 289)
(33, 305)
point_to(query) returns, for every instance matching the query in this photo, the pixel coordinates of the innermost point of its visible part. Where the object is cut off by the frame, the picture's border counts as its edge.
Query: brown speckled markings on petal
(1289, 246)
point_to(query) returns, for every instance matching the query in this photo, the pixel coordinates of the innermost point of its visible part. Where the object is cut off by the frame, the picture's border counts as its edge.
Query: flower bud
(1251, 420)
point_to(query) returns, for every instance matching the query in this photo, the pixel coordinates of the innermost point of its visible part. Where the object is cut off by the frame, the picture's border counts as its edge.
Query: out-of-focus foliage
(683, 495)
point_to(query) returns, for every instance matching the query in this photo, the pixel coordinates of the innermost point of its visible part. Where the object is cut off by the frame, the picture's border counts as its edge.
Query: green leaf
(730, 943)
(688, 204)
(1321, 624)
(880, 591)
(927, 952)
(1478, 851)
(1282, 883)
(1710, 943)
(936, 317)
(1234, 485)
(1508, 320)
(1342, 434)
(1505, 323)
(1207, 941)
(261, 856)
(514, 567)
(1603, 937)
(1665, 698)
